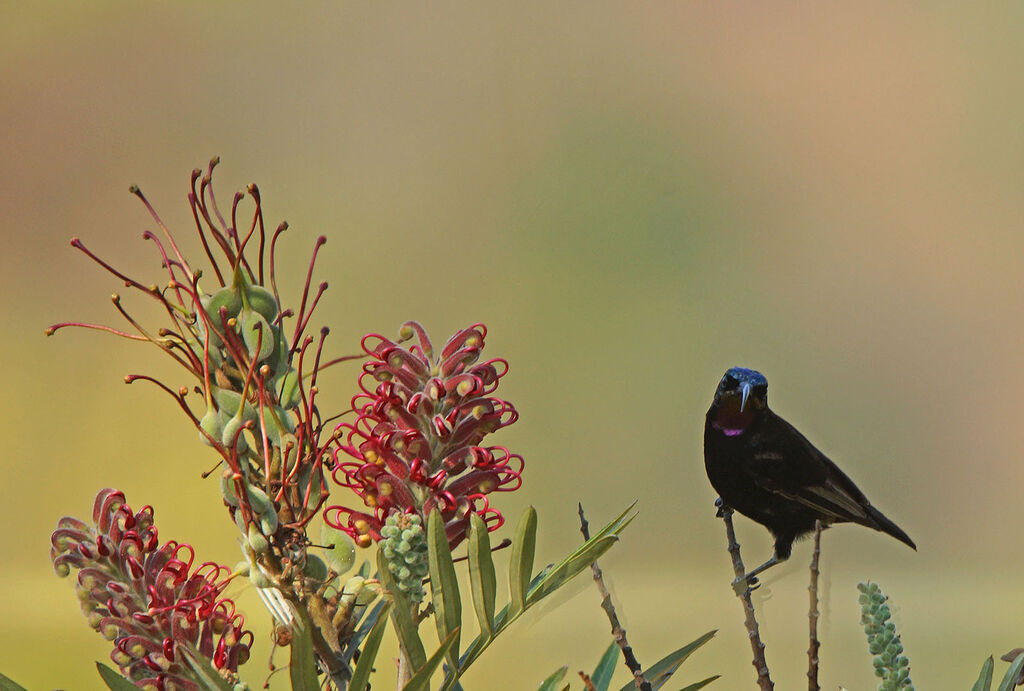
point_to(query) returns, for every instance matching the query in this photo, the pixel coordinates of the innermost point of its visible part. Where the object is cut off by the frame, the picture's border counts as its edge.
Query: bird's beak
(746, 394)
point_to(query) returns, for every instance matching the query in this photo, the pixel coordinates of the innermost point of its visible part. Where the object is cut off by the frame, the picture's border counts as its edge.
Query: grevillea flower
(416, 443)
(167, 620)
(256, 374)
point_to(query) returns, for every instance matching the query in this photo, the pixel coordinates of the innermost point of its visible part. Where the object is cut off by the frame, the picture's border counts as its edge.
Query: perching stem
(764, 680)
(618, 633)
(812, 614)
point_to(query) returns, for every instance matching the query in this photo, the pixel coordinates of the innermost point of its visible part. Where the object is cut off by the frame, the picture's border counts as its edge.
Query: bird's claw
(744, 584)
(720, 506)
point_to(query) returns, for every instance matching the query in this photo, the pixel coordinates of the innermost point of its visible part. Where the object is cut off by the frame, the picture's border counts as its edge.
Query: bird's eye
(729, 381)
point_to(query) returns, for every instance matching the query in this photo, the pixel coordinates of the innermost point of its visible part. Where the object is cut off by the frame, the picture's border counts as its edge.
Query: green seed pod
(226, 297)
(259, 543)
(242, 528)
(315, 569)
(341, 552)
(260, 579)
(227, 488)
(261, 300)
(256, 331)
(228, 402)
(259, 501)
(211, 425)
(232, 436)
(289, 394)
(269, 523)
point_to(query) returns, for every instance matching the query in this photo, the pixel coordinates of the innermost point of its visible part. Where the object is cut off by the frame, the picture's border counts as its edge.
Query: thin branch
(812, 614)
(764, 680)
(618, 632)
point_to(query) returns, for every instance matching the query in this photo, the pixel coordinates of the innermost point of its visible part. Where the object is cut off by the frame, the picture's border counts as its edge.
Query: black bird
(761, 466)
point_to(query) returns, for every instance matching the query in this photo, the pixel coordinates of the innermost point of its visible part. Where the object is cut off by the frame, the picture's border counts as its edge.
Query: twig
(812, 614)
(764, 680)
(618, 633)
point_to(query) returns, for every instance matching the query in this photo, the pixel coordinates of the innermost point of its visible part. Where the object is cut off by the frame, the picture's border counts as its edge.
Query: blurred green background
(633, 197)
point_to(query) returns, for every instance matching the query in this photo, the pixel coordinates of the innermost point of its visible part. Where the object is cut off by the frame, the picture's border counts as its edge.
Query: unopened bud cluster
(891, 665)
(405, 549)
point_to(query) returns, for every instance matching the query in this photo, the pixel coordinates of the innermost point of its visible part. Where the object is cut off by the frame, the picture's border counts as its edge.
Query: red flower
(162, 615)
(417, 437)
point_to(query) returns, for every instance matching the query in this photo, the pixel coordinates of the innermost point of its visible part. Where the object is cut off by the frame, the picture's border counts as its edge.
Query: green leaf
(361, 674)
(367, 624)
(401, 616)
(570, 567)
(544, 583)
(701, 684)
(1010, 678)
(8, 684)
(302, 664)
(602, 676)
(481, 574)
(114, 680)
(421, 680)
(554, 680)
(444, 586)
(520, 564)
(584, 556)
(984, 682)
(663, 669)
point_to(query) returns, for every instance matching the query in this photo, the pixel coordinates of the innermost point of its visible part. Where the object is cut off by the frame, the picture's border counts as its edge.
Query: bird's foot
(720, 506)
(745, 584)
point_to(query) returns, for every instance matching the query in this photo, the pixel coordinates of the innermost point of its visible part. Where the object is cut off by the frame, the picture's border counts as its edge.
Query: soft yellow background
(633, 197)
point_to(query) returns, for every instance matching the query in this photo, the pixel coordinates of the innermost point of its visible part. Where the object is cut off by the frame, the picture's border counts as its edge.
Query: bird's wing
(793, 468)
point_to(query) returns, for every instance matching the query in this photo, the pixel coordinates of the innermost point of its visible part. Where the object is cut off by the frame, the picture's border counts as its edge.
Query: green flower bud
(211, 425)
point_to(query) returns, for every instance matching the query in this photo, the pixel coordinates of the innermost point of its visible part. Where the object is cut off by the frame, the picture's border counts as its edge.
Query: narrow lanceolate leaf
(401, 616)
(570, 566)
(361, 674)
(113, 680)
(481, 574)
(552, 682)
(602, 676)
(663, 669)
(8, 684)
(420, 681)
(444, 586)
(365, 626)
(1010, 678)
(520, 565)
(700, 684)
(984, 682)
(302, 663)
(584, 556)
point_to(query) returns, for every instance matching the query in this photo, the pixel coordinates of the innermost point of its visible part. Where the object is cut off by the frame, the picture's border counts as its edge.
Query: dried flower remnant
(416, 441)
(167, 620)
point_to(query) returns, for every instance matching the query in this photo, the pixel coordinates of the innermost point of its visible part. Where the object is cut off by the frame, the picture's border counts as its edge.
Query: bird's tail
(886, 526)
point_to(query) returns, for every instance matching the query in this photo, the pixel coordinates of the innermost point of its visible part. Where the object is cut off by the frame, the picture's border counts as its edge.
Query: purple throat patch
(729, 431)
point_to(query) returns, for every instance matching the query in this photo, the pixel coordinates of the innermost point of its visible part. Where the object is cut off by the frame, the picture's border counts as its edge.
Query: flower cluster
(257, 376)
(416, 441)
(167, 620)
(891, 665)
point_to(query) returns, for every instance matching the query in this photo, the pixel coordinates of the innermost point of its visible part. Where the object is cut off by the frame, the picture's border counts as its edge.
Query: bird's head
(741, 394)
